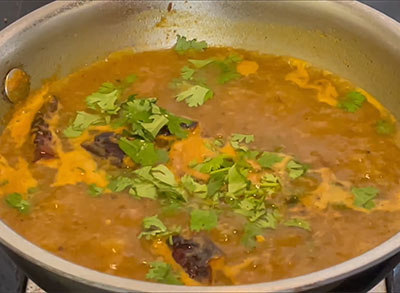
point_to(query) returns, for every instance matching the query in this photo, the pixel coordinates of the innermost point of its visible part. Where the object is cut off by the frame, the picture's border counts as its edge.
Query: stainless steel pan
(346, 37)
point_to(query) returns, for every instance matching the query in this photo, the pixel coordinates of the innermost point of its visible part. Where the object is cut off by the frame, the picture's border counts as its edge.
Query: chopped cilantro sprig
(162, 272)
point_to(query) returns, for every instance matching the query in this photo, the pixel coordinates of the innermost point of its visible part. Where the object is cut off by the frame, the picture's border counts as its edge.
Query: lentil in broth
(288, 169)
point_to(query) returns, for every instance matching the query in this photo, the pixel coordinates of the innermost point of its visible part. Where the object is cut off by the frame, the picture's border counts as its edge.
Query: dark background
(11, 10)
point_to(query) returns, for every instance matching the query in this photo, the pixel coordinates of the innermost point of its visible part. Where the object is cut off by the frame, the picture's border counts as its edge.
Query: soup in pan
(201, 166)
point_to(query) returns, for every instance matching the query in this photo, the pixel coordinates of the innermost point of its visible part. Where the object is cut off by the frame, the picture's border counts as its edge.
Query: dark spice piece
(105, 145)
(193, 256)
(42, 137)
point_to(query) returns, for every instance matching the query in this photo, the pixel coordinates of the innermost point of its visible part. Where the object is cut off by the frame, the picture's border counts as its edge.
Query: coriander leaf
(267, 160)
(144, 173)
(187, 73)
(363, 197)
(82, 121)
(193, 187)
(219, 142)
(352, 102)
(251, 155)
(164, 175)
(195, 96)
(127, 81)
(269, 220)
(104, 99)
(270, 183)
(143, 190)
(237, 138)
(214, 164)
(152, 226)
(162, 156)
(248, 238)
(215, 183)
(295, 169)
(201, 63)
(140, 152)
(203, 220)
(162, 272)
(172, 209)
(175, 125)
(384, 127)
(299, 223)
(228, 69)
(16, 201)
(154, 127)
(94, 190)
(236, 181)
(119, 183)
(182, 45)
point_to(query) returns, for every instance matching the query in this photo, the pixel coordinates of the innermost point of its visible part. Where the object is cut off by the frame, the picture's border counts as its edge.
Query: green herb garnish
(352, 102)
(187, 73)
(363, 197)
(82, 121)
(203, 220)
(162, 272)
(299, 223)
(295, 169)
(94, 190)
(237, 139)
(154, 227)
(183, 45)
(201, 63)
(385, 127)
(16, 201)
(248, 238)
(267, 159)
(193, 187)
(236, 180)
(195, 96)
(140, 152)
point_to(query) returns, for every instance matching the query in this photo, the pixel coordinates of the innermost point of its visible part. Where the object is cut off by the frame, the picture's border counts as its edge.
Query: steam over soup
(201, 166)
